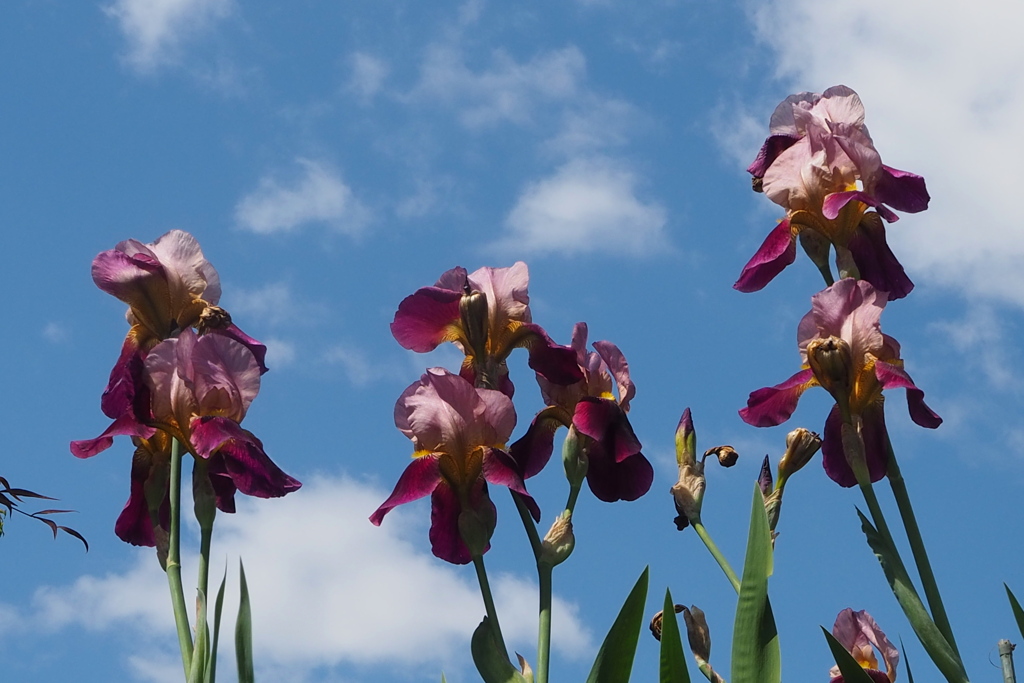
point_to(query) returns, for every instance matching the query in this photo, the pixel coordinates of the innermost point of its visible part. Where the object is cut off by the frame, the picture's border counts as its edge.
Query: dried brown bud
(697, 633)
(757, 184)
(772, 507)
(559, 541)
(473, 313)
(657, 620)
(727, 455)
(832, 364)
(212, 318)
(688, 493)
(801, 445)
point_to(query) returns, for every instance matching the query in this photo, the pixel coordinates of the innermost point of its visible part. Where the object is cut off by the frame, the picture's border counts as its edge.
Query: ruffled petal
(769, 152)
(419, 479)
(777, 252)
(258, 349)
(894, 377)
(237, 454)
(191, 274)
(875, 261)
(772, 406)
(602, 420)
(427, 318)
(901, 190)
(619, 368)
(226, 376)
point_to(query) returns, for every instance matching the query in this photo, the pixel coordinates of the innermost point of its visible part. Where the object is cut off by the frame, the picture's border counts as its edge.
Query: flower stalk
(174, 561)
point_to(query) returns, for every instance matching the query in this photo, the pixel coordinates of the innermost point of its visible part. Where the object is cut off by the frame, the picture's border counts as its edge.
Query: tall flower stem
(174, 561)
(924, 567)
(544, 576)
(528, 524)
(205, 503)
(485, 591)
(698, 526)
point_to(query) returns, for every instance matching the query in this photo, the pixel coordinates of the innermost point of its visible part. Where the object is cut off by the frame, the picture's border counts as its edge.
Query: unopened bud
(772, 508)
(658, 621)
(686, 441)
(764, 480)
(558, 542)
(727, 455)
(831, 362)
(473, 313)
(524, 668)
(697, 633)
(801, 445)
(688, 493)
(574, 458)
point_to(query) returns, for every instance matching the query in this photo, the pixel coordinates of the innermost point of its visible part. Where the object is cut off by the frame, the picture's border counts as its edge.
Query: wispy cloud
(943, 93)
(55, 333)
(336, 581)
(367, 76)
(156, 30)
(587, 206)
(317, 195)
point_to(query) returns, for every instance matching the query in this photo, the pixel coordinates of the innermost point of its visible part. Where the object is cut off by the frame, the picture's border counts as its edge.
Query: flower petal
(611, 481)
(258, 349)
(769, 152)
(875, 438)
(776, 252)
(604, 421)
(894, 377)
(835, 201)
(533, 450)
(181, 256)
(419, 479)
(126, 425)
(499, 468)
(772, 406)
(553, 362)
(226, 376)
(901, 190)
(875, 261)
(237, 454)
(445, 540)
(126, 392)
(619, 368)
(427, 318)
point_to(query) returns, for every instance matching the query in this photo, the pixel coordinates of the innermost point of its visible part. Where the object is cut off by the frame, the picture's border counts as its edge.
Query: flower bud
(688, 493)
(697, 633)
(658, 620)
(727, 455)
(558, 543)
(574, 458)
(801, 445)
(473, 314)
(832, 364)
(686, 441)
(772, 508)
(764, 480)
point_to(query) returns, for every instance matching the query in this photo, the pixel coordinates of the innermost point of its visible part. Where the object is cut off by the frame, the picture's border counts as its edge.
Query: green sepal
(442, 678)
(201, 651)
(615, 658)
(673, 660)
(218, 608)
(852, 671)
(755, 641)
(945, 659)
(243, 631)
(490, 659)
(1018, 613)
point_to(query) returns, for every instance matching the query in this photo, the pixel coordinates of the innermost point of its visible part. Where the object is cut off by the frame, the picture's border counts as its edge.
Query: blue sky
(331, 158)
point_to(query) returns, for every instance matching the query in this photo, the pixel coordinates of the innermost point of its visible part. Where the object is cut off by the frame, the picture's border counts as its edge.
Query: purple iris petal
(770, 150)
(422, 318)
(902, 190)
(894, 377)
(772, 406)
(553, 362)
(876, 451)
(419, 479)
(875, 260)
(611, 481)
(134, 524)
(126, 391)
(776, 252)
(258, 349)
(122, 275)
(617, 365)
(835, 202)
(499, 468)
(533, 450)
(602, 420)
(445, 540)
(237, 454)
(126, 425)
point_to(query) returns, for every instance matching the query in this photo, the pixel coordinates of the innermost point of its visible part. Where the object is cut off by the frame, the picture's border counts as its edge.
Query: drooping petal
(427, 318)
(499, 468)
(122, 394)
(140, 281)
(875, 261)
(901, 190)
(553, 362)
(875, 437)
(619, 368)
(533, 450)
(126, 425)
(134, 525)
(611, 481)
(835, 202)
(894, 377)
(777, 252)
(256, 347)
(445, 540)
(419, 479)
(237, 454)
(772, 406)
(603, 420)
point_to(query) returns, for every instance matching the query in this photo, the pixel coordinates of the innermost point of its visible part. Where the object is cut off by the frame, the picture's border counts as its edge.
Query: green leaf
(1018, 613)
(615, 658)
(848, 666)
(490, 658)
(218, 608)
(673, 660)
(243, 631)
(442, 678)
(755, 642)
(945, 659)
(906, 662)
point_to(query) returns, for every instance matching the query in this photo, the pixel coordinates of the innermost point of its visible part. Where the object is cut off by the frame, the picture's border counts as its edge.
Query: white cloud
(55, 333)
(318, 196)
(272, 303)
(981, 340)
(357, 366)
(587, 206)
(280, 352)
(598, 125)
(335, 580)
(508, 91)
(943, 92)
(367, 76)
(156, 29)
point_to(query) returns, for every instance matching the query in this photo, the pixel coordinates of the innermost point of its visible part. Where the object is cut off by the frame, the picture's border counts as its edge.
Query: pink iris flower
(820, 164)
(847, 312)
(617, 470)
(200, 389)
(458, 433)
(169, 286)
(860, 635)
(487, 315)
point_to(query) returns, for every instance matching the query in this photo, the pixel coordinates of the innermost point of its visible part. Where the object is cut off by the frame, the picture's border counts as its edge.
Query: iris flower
(458, 433)
(860, 635)
(843, 349)
(818, 151)
(487, 315)
(616, 470)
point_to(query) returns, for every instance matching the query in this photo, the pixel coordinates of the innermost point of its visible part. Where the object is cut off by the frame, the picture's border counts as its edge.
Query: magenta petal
(126, 391)
(419, 479)
(772, 406)
(422, 318)
(445, 540)
(619, 368)
(834, 203)
(126, 425)
(875, 260)
(533, 450)
(776, 252)
(555, 363)
(611, 481)
(901, 190)
(259, 350)
(134, 524)
(875, 446)
(770, 150)
(893, 377)
(119, 274)
(499, 468)
(237, 454)
(603, 420)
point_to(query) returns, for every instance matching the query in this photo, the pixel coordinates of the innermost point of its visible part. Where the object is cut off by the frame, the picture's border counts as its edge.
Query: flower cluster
(185, 373)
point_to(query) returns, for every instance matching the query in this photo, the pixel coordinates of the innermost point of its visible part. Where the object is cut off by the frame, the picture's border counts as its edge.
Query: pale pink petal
(841, 105)
(619, 368)
(769, 152)
(226, 376)
(506, 292)
(188, 270)
(453, 280)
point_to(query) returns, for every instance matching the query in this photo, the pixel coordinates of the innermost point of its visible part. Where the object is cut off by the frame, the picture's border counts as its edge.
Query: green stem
(574, 494)
(174, 561)
(485, 591)
(528, 523)
(877, 517)
(924, 567)
(544, 574)
(698, 526)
